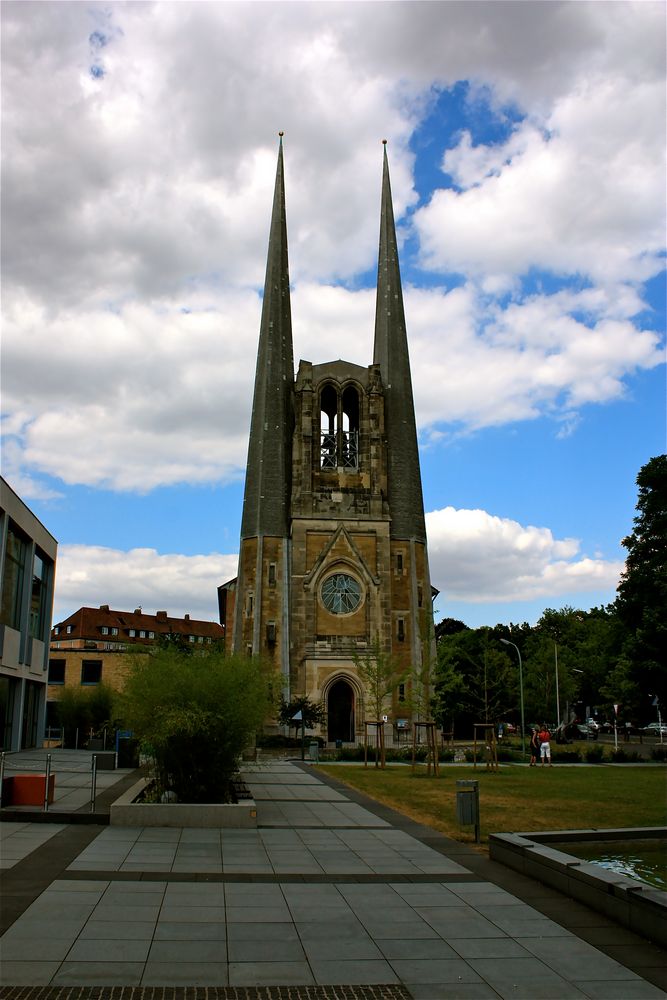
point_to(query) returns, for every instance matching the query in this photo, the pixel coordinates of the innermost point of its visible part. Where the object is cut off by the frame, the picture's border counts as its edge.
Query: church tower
(333, 555)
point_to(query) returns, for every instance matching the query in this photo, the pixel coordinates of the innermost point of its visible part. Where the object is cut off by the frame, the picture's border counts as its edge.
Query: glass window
(56, 671)
(91, 671)
(69, 629)
(56, 631)
(105, 630)
(151, 635)
(341, 594)
(401, 629)
(40, 571)
(114, 631)
(12, 581)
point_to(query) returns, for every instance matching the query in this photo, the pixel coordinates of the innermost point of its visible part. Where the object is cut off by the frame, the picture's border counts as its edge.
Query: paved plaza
(329, 889)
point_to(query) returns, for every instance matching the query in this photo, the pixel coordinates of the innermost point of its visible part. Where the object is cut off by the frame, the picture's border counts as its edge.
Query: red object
(27, 790)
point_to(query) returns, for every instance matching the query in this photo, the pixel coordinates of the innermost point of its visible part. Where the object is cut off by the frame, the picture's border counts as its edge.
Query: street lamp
(523, 721)
(557, 691)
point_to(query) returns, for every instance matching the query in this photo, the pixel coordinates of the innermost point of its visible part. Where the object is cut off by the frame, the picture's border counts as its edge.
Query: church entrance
(340, 709)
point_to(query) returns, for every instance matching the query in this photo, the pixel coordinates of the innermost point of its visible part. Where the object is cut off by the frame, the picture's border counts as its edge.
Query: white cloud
(583, 194)
(474, 556)
(90, 575)
(480, 558)
(146, 190)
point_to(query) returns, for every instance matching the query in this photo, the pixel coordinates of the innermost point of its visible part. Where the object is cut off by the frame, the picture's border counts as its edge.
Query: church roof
(268, 475)
(390, 351)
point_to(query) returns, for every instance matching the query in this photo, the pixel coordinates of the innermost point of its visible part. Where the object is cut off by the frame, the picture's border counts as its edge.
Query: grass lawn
(519, 798)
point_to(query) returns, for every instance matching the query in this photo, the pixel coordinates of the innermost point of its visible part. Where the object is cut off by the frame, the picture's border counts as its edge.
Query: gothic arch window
(329, 427)
(339, 427)
(350, 431)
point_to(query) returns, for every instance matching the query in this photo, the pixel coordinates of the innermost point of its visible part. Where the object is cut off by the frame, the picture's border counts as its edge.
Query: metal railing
(6, 767)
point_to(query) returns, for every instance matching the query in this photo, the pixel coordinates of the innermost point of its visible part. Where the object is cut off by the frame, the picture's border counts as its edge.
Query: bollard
(47, 781)
(93, 783)
(467, 805)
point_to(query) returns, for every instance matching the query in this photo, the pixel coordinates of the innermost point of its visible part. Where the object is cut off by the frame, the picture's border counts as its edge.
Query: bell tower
(333, 554)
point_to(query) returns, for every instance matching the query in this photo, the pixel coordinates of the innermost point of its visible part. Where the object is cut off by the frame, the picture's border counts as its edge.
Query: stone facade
(344, 576)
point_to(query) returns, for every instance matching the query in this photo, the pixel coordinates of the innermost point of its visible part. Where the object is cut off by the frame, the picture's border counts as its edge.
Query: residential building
(90, 646)
(27, 570)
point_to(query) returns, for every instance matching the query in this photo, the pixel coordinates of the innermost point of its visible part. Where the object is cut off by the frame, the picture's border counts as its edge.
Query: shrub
(659, 753)
(194, 716)
(559, 756)
(594, 755)
(622, 756)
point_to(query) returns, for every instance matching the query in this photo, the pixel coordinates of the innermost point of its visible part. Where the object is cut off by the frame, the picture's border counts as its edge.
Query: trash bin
(339, 744)
(314, 751)
(128, 753)
(467, 803)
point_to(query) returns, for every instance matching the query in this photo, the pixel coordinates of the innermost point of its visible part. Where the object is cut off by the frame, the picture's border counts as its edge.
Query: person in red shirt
(544, 737)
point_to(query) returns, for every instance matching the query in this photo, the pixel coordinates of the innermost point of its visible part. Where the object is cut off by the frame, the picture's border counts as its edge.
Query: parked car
(585, 731)
(593, 724)
(508, 728)
(655, 729)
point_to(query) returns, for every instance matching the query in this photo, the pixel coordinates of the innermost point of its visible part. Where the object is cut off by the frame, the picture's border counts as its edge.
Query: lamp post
(523, 721)
(557, 691)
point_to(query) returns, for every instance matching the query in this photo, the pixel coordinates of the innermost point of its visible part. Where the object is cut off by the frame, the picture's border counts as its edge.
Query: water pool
(643, 860)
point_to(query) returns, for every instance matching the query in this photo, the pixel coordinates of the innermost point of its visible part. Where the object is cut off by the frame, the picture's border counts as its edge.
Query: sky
(526, 144)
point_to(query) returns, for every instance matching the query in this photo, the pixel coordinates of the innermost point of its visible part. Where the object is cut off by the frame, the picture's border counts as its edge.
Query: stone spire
(268, 475)
(406, 504)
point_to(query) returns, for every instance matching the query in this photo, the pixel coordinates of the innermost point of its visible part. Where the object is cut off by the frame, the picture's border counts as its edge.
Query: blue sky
(527, 155)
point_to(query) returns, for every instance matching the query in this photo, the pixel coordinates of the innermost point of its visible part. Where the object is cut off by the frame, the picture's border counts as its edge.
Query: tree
(381, 673)
(641, 603)
(313, 713)
(194, 716)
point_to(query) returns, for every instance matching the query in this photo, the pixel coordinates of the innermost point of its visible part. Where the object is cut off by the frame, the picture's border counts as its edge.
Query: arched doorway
(340, 712)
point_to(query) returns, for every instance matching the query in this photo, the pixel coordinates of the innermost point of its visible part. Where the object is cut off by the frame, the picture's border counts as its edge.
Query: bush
(594, 755)
(622, 756)
(559, 756)
(659, 753)
(194, 715)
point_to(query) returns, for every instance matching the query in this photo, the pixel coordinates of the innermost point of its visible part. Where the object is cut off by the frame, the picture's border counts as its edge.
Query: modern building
(89, 646)
(333, 561)
(27, 571)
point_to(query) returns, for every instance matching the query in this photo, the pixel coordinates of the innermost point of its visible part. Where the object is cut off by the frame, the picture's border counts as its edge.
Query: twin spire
(269, 472)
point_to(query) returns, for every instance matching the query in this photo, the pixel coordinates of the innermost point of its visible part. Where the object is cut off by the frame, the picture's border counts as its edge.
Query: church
(333, 559)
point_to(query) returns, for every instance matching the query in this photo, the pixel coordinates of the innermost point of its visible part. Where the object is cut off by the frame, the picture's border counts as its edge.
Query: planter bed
(129, 810)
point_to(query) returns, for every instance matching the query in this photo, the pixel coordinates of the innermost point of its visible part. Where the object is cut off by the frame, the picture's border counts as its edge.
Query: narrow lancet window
(329, 427)
(350, 433)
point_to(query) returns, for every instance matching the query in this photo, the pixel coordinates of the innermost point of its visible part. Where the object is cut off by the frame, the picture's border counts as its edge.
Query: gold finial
(281, 134)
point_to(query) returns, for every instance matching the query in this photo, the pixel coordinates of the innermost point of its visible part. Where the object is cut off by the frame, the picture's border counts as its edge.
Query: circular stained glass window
(341, 594)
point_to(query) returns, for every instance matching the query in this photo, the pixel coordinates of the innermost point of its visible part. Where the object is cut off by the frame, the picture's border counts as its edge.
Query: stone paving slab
(400, 915)
(18, 840)
(333, 992)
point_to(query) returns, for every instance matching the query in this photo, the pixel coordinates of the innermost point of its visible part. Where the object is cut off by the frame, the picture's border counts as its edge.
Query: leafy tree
(73, 708)
(381, 673)
(313, 713)
(477, 680)
(642, 593)
(194, 715)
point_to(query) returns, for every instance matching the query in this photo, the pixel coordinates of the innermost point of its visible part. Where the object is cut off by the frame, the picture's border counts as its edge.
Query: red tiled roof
(87, 623)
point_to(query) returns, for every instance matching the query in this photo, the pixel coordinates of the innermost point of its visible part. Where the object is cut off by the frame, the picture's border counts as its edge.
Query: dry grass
(520, 798)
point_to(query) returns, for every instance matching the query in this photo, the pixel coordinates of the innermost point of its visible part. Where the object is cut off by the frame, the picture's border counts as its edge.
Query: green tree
(642, 593)
(194, 716)
(74, 715)
(313, 713)
(381, 673)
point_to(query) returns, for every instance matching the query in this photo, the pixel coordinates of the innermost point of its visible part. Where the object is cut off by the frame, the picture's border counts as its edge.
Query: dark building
(333, 556)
